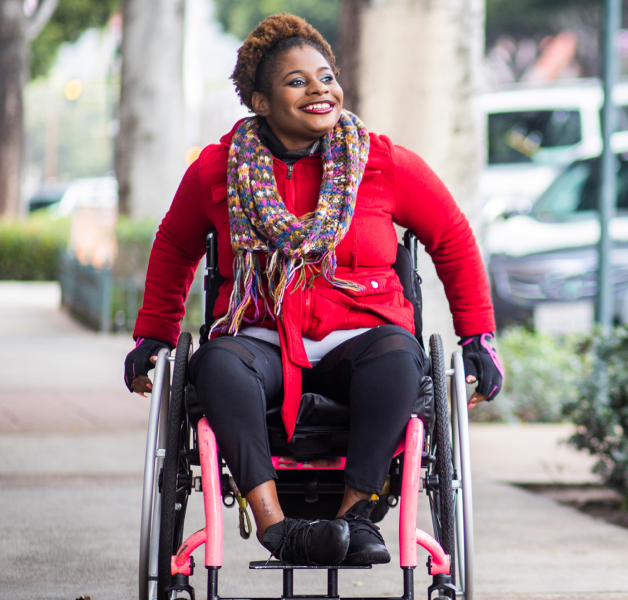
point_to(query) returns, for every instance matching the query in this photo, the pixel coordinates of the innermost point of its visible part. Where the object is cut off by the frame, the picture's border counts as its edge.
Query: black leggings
(378, 373)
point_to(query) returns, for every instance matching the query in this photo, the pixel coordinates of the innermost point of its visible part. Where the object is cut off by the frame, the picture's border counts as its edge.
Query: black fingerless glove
(138, 360)
(480, 360)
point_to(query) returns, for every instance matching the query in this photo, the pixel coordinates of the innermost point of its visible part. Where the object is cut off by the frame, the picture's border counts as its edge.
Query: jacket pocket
(373, 284)
(370, 188)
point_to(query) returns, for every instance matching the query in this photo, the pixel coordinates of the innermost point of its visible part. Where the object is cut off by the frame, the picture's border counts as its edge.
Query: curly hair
(258, 56)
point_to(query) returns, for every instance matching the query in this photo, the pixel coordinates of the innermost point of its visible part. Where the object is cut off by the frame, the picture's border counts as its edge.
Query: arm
(424, 205)
(178, 248)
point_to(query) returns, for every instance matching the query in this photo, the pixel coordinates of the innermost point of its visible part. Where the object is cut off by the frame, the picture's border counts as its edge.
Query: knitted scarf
(300, 248)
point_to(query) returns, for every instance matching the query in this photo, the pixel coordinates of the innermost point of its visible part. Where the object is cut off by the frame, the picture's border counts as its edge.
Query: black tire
(175, 478)
(442, 498)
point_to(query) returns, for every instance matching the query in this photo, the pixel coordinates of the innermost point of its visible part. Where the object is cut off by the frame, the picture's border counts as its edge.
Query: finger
(153, 359)
(141, 384)
(476, 399)
(471, 379)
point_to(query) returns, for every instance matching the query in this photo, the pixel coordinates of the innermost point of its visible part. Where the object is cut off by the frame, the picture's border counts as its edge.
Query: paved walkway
(71, 458)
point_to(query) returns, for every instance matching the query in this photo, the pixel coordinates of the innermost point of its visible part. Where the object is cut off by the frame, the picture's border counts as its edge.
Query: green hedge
(29, 250)
(135, 240)
(542, 374)
(600, 409)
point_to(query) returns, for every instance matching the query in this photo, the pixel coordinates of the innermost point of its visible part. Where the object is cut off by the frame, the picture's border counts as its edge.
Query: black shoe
(301, 542)
(367, 545)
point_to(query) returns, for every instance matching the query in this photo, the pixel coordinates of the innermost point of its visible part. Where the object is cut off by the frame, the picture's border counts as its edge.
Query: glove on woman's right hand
(138, 363)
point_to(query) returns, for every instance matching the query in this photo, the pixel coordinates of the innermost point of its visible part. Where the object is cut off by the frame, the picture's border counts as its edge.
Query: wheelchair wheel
(176, 476)
(462, 474)
(151, 498)
(440, 488)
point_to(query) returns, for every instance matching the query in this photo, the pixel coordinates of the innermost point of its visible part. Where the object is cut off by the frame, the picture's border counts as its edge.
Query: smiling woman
(304, 200)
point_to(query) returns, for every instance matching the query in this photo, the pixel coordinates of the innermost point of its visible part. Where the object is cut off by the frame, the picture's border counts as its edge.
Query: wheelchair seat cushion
(322, 428)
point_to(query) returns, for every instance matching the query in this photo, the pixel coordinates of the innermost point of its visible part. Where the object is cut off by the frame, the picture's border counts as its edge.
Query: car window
(516, 137)
(574, 194)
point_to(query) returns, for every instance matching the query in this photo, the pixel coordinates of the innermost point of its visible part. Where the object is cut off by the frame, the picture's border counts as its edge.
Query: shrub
(29, 250)
(542, 372)
(134, 238)
(600, 410)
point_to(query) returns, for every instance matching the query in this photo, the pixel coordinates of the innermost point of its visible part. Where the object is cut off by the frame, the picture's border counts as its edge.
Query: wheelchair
(433, 459)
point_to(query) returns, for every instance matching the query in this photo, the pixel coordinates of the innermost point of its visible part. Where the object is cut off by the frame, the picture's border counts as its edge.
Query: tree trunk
(421, 65)
(12, 79)
(150, 156)
(349, 28)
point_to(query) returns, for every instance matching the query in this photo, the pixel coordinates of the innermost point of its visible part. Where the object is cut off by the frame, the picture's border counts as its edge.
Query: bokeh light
(73, 89)
(192, 154)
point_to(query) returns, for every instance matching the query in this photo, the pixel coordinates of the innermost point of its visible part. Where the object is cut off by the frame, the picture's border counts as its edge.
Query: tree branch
(38, 21)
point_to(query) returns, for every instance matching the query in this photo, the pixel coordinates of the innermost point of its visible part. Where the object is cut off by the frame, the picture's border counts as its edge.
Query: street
(72, 442)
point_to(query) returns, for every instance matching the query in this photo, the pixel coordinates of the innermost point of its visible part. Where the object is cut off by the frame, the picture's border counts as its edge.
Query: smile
(318, 108)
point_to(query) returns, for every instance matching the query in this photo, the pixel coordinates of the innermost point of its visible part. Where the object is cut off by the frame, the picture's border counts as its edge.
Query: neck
(291, 142)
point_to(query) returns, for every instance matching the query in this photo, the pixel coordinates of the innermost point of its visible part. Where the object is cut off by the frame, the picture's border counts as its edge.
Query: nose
(318, 88)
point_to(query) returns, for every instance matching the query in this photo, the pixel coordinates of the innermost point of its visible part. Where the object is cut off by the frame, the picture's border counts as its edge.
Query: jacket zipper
(308, 309)
(290, 199)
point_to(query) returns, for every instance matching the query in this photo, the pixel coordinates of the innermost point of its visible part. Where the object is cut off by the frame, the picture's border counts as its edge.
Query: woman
(304, 200)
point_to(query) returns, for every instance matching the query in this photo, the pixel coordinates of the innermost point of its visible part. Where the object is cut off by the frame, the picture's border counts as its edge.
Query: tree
(420, 69)
(150, 152)
(16, 30)
(349, 40)
(57, 21)
(240, 17)
(71, 18)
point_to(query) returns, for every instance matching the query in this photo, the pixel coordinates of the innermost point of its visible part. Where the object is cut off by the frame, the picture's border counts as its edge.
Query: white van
(534, 132)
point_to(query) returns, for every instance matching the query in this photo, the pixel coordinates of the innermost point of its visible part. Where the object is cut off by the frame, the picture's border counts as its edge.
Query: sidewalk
(71, 458)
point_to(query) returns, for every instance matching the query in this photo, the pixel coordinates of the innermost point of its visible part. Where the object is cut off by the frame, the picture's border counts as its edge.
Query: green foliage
(135, 240)
(71, 18)
(240, 17)
(542, 374)
(29, 250)
(84, 142)
(600, 411)
(530, 18)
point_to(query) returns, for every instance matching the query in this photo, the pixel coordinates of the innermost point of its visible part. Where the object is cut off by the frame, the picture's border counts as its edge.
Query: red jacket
(397, 187)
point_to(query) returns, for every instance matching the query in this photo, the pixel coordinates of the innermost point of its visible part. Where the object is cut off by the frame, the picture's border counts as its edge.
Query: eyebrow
(301, 71)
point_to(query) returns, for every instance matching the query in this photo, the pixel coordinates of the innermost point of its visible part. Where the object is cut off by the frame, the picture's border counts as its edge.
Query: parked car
(46, 195)
(94, 192)
(534, 133)
(543, 265)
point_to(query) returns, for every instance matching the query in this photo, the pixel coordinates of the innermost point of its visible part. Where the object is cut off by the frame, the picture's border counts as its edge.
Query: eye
(327, 78)
(297, 81)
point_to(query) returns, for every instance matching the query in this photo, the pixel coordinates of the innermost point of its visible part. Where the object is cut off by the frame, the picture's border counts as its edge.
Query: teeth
(319, 106)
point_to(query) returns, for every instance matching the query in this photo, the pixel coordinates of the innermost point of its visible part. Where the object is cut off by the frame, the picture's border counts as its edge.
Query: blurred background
(105, 103)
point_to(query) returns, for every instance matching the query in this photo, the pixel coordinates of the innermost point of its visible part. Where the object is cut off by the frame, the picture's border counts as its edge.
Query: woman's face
(306, 99)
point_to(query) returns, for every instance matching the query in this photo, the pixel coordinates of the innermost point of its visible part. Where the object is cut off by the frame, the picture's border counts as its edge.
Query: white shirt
(314, 350)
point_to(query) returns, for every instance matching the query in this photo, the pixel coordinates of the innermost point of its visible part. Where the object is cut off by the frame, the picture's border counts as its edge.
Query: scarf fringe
(247, 289)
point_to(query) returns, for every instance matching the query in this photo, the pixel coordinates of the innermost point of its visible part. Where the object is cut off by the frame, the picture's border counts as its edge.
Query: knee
(395, 340)
(219, 361)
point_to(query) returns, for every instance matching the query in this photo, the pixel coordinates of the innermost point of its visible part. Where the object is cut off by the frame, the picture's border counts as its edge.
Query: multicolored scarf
(300, 248)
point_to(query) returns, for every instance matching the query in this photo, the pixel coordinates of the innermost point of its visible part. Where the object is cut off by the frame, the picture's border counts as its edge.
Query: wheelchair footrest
(275, 564)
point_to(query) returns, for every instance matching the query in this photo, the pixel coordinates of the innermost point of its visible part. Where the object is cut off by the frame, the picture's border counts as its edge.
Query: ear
(261, 104)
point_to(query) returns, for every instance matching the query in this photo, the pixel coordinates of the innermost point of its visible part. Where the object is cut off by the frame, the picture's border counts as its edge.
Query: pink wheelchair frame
(410, 536)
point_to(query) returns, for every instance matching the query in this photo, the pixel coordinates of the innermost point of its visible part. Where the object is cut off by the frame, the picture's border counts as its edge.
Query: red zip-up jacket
(397, 187)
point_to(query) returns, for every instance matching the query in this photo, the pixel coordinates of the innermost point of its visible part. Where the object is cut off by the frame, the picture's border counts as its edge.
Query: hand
(481, 364)
(138, 362)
